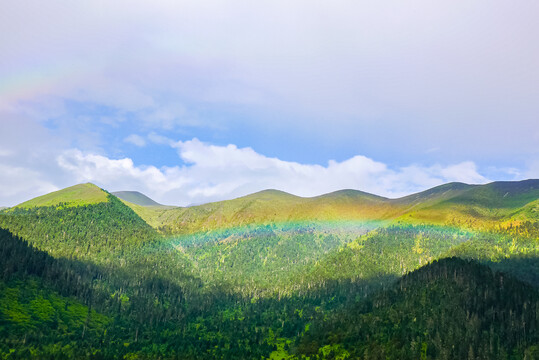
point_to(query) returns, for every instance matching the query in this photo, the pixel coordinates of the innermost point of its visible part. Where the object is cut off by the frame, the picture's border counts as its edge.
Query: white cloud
(135, 140)
(464, 172)
(27, 159)
(16, 181)
(221, 172)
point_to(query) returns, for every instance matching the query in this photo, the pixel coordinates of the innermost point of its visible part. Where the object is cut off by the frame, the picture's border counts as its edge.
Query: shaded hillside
(44, 302)
(450, 309)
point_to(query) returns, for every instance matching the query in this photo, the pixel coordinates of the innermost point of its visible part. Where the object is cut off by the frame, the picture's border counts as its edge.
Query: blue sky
(196, 101)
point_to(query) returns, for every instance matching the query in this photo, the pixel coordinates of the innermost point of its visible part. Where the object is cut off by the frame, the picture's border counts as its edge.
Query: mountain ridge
(448, 203)
(145, 200)
(137, 198)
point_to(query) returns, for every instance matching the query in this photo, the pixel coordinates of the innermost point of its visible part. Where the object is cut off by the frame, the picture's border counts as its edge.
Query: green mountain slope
(100, 231)
(501, 194)
(388, 251)
(264, 260)
(478, 205)
(450, 309)
(43, 313)
(78, 195)
(267, 207)
(272, 241)
(454, 203)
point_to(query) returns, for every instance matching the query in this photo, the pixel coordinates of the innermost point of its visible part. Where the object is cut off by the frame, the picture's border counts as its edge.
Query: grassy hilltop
(78, 195)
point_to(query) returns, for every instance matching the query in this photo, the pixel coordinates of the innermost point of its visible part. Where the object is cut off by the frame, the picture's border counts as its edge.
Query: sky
(198, 101)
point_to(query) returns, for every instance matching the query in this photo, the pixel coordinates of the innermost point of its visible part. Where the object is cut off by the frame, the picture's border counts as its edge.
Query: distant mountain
(500, 194)
(82, 194)
(351, 195)
(474, 204)
(434, 194)
(455, 203)
(136, 197)
(452, 203)
(270, 206)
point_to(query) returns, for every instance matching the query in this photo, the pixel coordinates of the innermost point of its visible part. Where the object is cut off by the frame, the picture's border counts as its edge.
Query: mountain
(453, 203)
(136, 198)
(82, 222)
(474, 205)
(269, 206)
(78, 195)
(435, 194)
(449, 309)
(273, 275)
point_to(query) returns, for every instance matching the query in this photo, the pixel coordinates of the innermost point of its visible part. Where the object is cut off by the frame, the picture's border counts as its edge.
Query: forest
(96, 281)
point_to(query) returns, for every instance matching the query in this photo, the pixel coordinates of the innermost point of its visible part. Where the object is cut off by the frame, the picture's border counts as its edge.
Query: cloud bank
(212, 173)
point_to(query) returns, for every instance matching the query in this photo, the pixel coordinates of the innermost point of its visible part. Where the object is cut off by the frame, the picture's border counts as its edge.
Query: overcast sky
(196, 101)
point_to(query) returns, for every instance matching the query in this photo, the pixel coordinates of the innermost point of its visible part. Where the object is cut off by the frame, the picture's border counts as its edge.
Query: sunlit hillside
(78, 195)
(450, 204)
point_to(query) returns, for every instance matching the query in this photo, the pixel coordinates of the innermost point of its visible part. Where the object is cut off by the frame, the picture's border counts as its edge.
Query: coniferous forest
(451, 273)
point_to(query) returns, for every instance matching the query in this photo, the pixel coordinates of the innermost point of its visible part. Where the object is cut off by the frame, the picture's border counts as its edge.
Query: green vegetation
(450, 309)
(454, 204)
(272, 259)
(479, 206)
(98, 232)
(270, 276)
(392, 251)
(36, 322)
(78, 195)
(265, 208)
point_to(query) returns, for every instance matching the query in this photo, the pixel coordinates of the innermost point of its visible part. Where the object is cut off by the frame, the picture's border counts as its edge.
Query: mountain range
(90, 274)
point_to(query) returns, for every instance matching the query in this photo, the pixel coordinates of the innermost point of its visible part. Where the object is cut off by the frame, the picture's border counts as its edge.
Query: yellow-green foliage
(266, 207)
(82, 194)
(469, 206)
